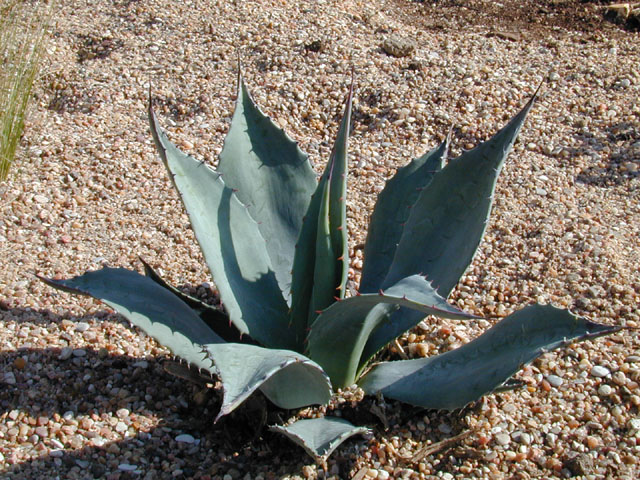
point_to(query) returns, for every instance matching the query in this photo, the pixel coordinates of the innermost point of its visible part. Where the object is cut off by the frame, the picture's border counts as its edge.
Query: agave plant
(275, 240)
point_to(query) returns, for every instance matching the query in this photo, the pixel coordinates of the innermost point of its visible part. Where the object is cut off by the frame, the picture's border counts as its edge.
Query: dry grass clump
(23, 33)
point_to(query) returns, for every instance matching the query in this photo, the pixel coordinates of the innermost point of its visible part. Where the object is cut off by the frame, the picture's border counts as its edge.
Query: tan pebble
(593, 442)
(42, 421)
(307, 471)
(422, 349)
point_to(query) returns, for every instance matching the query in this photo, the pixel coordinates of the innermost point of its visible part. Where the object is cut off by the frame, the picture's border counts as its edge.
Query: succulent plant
(275, 241)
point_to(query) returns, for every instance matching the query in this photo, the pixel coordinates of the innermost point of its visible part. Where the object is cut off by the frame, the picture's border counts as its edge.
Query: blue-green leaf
(232, 244)
(150, 307)
(319, 436)
(271, 176)
(338, 335)
(321, 262)
(287, 378)
(392, 210)
(448, 220)
(455, 378)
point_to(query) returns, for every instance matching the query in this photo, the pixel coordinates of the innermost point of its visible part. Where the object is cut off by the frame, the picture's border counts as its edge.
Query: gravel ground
(84, 396)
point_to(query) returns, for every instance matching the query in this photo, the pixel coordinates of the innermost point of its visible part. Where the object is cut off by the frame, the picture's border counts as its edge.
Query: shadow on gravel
(622, 144)
(92, 386)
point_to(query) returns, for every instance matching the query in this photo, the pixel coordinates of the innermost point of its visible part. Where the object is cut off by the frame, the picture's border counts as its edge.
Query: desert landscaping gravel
(82, 395)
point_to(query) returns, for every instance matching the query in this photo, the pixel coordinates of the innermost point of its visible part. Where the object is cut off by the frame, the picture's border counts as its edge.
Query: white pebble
(554, 380)
(185, 438)
(502, 439)
(82, 327)
(600, 371)
(604, 390)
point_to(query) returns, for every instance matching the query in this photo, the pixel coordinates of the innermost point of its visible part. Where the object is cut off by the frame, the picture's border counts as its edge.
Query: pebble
(502, 439)
(79, 352)
(445, 428)
(554, 380)
(522, 437)
(65, 353)
(604, 390)
(599, 371)
(126, 467)
(82, 327)
(185, 438)
(9, 378)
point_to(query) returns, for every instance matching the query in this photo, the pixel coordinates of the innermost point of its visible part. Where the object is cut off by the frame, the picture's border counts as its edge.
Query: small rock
(554, 76)
(9, 378)
(605, 390)
(79, 352)
(522, 437)
(82, 327)
(126, 467)
(20, 363)
(57, 453)
(599, 371)
(122, 413)
(444, 428)
(82, 463)
(185, 438)
(121, 427)
(397, 46)
(40, 199)
(581, 464)
(502, 439)
(65, 353)
(554, 380)
(141, 364)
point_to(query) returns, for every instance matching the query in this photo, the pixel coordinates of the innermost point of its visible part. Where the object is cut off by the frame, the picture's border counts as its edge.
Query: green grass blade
(24, 29)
